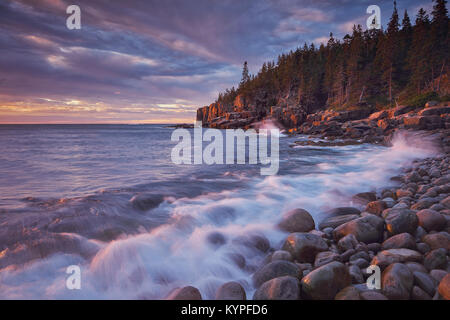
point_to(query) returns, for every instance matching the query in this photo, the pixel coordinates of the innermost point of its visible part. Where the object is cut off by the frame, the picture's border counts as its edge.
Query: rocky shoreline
(403, 230)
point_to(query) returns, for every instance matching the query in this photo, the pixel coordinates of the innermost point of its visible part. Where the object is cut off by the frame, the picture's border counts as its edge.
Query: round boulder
(297, 220)
(397, 282)
(282, 288)
(431, 220)
(366, 229)
(185, 293)
(274, 270)
(304, 246)
(326, 281)
(444, 287)
(231, 291)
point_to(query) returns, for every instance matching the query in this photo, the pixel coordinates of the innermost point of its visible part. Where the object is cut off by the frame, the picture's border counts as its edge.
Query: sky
(152, 61)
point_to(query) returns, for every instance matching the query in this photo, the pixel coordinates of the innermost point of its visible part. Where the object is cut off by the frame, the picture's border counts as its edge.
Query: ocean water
(109, 199)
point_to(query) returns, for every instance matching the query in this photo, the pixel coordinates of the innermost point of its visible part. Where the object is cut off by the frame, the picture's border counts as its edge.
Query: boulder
(325, 257)
(444, 287)
(185, 293)
(348, 293)
(326, 281)
(304, 246)
(438, 275)
(273, 270)
(397, 282)
(281, 255)
(348, 242)
(400, 221)
(366, 229)
(437, 240)
(418, 294)
(336, 221)
(372, 295)
(282, 288)
(231, 291)
(431, 220)
(297, 220)
(402, 240)
(425, 282)
(436, 259)
(364, 198)
(387, 257)
(376, 207)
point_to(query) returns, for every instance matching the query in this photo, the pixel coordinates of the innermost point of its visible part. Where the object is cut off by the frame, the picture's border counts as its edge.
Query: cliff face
(242, 114)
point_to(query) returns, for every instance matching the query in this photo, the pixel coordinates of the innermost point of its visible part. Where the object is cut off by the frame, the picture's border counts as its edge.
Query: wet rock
(325, 282)
(444, 287)
(304, 246)
(402, 240)
(231, 291)
(423, 248)
(424, 203)
(238, 259)
(325, 257)
(274, 270)
(145, 202)
(387, 257)
(355, 274)
(364, 198)
(431, 220)
(397, 282)
(336, 221)
(281, 255)
(419, 294)
(414, 266)
(425, 282)
(216, 239)
(400, 221)
(253, 241)
(185, 293)
(348, 242)
(438, 275)
(400, 193)
(366, 229)
(281, 288)
(341, 211)
(437, 240)
(376, 207)
(446, 202)
(372, 295)
(297, 220)
(374, 247)
(436, 259)
(360, 263)
(348, 293)
(347, 254)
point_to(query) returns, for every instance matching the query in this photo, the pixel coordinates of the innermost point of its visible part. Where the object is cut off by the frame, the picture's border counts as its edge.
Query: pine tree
(245, 74)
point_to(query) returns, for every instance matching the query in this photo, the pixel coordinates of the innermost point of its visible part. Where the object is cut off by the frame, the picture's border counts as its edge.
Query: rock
(423, 248)
(355, 274)
(425, 282)
(282, 288)
(431, 111)
(387, 257)
(145, 202)
(366, 229)
(423, 203)
(341, 211)
(446, 202)
(231, 291)
(274, 270)
(430, 104)
(360, 255)
(438, 275)
(216, 239)
(402, 240)
(325, 257)
(436, 259)
(414, 266)
(336, 221)
(360, 263)
(347, 254)
(372, 295)
(400, 193)
(420, 233)
(376, 207)
(185, 293)
(397, 282)
(348, 293)
(326, 281)
(297, 220)
(304, 246)
(281, 255)
(364, 198)
(437, 240)
(444, 287)
(374, 247)
(419, 294)
(431, 220)
(253, 241)
(400, 221)
(348, 242)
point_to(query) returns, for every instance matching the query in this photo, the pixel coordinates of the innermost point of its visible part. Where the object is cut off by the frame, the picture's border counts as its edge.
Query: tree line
(379, 67)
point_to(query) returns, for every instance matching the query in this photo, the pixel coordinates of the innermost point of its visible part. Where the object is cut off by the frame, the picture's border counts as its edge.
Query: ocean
(108, 199)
